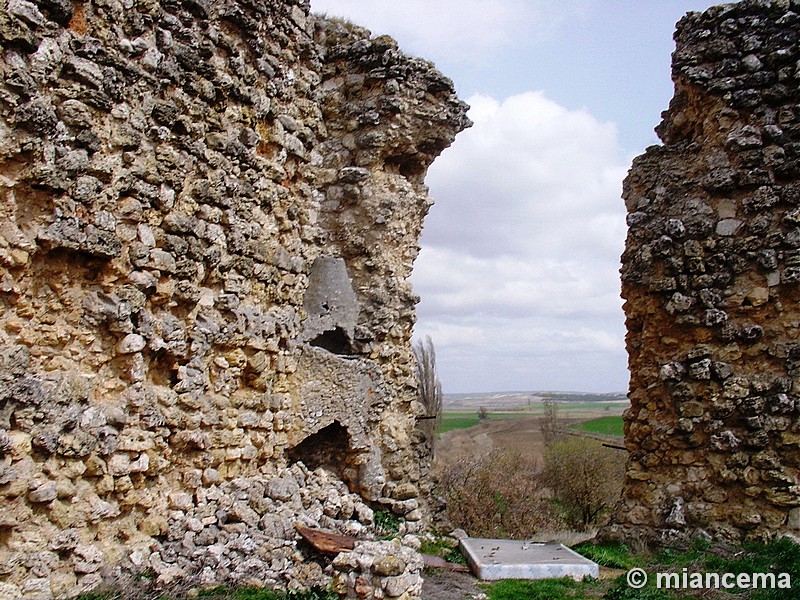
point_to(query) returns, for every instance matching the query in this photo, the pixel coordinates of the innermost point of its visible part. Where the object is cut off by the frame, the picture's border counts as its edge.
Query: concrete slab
(509, 559)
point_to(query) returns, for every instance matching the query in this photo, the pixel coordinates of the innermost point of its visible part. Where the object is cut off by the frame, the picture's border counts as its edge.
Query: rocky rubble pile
(710, 276)
(376, 570)
(243, 532)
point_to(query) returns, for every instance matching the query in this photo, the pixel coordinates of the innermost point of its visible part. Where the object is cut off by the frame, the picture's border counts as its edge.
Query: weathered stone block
(43, 492)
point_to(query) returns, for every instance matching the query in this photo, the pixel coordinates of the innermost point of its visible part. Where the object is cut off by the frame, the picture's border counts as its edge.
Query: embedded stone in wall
(710, 281)
(331, 306)
(379, 570)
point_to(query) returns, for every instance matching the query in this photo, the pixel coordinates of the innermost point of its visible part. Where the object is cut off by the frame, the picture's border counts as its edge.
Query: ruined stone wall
(209, 213)
(711, 279)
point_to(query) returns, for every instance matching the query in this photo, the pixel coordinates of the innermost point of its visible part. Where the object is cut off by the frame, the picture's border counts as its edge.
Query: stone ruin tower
(208, 215)
(711, 279)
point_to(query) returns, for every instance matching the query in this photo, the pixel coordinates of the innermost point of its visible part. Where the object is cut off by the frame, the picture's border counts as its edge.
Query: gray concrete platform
(510, 559)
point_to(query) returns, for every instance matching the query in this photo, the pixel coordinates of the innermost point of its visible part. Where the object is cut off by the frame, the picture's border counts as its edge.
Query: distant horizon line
(517, 392)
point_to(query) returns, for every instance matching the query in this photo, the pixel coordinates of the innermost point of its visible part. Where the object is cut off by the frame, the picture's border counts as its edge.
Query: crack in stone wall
(711, 275)
(171, 171)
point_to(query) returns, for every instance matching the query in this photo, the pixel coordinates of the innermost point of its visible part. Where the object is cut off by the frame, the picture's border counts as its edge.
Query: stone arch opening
(330, 448)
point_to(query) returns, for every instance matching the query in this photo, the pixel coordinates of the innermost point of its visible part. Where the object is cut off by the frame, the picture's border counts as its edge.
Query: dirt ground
(446, 585)
(520, 435)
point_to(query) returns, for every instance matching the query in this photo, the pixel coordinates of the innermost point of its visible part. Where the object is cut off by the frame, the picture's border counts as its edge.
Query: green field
(607, 425)
(457, 420)
(612, 425)
(466, 419)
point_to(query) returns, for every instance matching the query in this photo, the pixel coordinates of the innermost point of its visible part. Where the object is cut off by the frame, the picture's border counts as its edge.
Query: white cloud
(518, 271)
(455, 282)
(456, 30)
(528, 163)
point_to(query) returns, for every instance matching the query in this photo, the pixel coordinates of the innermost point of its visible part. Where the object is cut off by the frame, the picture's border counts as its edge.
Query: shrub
(585, 478)
(498, 495)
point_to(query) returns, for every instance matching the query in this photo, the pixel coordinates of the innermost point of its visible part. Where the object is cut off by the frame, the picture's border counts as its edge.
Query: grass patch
(387, 524)
(248, 593)
(457, 420)
(777, 557)
(254, 593)
(614, 555)
(445, 548)
(620, 590)
(611, 425)
(546, 589)
(780, 556)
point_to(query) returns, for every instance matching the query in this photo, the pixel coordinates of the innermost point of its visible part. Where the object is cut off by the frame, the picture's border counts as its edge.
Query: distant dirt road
(516, 435)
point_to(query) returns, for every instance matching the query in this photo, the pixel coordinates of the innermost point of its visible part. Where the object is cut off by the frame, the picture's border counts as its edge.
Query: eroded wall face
(711, 279)
(171, 173)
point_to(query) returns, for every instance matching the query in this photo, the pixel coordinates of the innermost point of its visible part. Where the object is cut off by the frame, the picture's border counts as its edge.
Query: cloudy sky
(518, 272)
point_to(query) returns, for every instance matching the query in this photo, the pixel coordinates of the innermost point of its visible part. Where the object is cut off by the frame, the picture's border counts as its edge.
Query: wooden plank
(437, 562)
(326, 541)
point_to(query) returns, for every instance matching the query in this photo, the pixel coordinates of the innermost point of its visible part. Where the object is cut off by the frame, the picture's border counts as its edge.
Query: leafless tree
(548, 422)
(429, 388)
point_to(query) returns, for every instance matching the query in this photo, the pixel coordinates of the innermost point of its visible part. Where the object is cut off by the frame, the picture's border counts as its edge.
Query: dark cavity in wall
(335, 341)
(329, 448)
